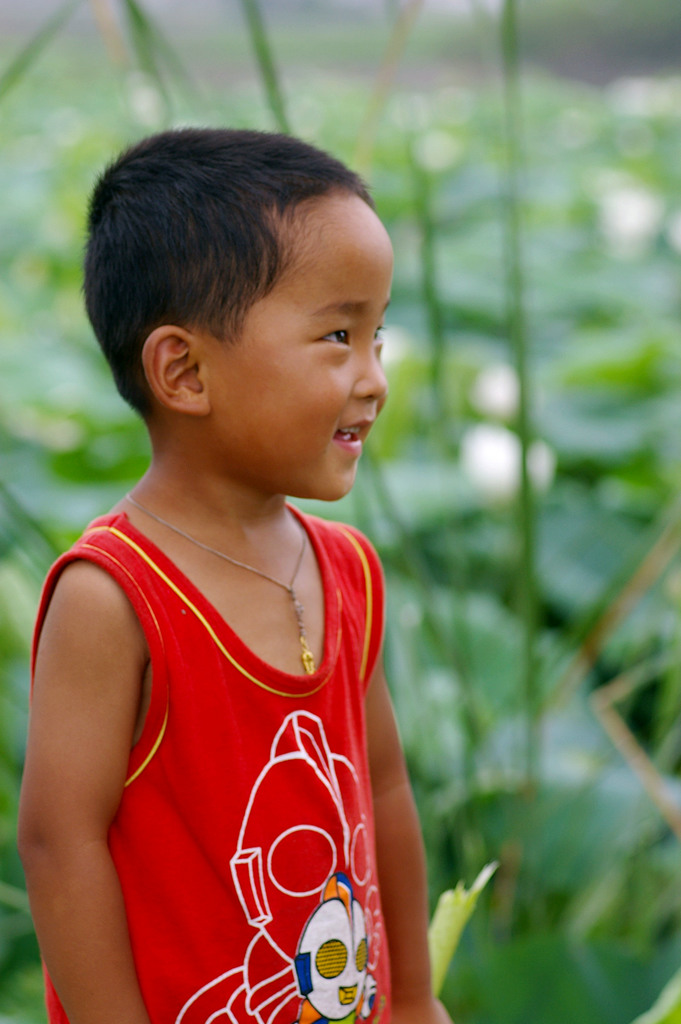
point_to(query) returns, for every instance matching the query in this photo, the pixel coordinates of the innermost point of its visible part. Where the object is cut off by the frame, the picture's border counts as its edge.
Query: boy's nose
(373, 383)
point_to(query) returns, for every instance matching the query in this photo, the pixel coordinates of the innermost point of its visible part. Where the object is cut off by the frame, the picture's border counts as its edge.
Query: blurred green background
(523, 484)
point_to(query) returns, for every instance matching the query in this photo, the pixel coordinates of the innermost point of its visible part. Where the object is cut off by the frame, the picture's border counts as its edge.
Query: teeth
(349, 430)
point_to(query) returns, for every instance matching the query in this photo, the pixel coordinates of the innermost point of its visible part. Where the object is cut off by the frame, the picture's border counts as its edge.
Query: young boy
(214, 794)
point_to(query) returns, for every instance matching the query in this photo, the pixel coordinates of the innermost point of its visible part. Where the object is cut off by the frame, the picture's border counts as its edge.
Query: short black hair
(187, 227)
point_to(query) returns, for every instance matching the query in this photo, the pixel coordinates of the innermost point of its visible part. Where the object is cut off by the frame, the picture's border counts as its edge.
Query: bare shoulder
(88, 609)
(88, 681)
(82, 583)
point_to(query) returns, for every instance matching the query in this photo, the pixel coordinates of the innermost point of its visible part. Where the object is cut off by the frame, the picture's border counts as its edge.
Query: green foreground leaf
(452, 912)
(667, 1009)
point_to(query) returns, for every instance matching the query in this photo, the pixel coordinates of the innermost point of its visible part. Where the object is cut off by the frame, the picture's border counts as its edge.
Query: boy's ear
(172, 366)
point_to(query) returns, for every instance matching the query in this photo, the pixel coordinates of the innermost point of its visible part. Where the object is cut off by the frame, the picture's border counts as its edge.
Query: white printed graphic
(303, 876)
(333, 957)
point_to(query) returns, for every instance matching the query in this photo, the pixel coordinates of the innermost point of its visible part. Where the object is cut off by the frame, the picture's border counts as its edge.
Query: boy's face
(293, 400)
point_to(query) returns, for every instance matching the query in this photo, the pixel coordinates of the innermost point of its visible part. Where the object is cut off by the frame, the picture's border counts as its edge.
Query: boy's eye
(340, 336)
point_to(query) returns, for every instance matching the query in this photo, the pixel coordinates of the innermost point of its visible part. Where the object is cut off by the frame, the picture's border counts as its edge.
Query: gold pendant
(307, 657)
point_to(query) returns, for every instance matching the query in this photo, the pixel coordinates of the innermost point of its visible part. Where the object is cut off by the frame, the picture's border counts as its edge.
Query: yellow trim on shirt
(157, 742)
(204, 622)
(369, 599)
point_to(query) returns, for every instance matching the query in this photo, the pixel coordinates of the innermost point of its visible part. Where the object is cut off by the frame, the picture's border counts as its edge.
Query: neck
(274, 543)
(199, 498)
(262, 533)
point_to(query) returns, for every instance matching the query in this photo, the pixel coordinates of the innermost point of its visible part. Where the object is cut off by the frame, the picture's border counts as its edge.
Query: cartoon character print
(306, 888)
(332, 960)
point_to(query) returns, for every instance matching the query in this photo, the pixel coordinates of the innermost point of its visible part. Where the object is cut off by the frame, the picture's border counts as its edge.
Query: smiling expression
(294, 398)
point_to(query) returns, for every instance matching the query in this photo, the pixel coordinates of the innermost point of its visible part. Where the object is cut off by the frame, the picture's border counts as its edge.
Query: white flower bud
(491, 459)
(496, 392)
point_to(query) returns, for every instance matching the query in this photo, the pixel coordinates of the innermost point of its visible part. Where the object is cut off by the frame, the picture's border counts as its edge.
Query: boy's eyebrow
(345, 307)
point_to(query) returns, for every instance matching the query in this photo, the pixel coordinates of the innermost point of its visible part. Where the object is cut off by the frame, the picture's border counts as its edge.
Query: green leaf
(667, 1009)
(25, 59)
(542, 977)
(453, 910)
(13, 897)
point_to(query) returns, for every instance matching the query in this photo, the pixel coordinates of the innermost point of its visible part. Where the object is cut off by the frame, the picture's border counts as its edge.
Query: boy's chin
(330, 492)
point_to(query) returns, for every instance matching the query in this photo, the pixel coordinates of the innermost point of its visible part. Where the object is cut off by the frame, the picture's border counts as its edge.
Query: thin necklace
(306, 655)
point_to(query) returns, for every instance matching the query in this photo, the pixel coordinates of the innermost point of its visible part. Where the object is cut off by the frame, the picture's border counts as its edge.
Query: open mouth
(348, 434)
(347, 994)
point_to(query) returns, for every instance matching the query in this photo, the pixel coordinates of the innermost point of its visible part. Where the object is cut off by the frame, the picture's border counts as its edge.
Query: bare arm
(91, 661)
(401, 865)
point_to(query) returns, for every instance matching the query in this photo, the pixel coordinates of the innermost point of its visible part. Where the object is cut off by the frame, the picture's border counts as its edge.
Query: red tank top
(244, 839)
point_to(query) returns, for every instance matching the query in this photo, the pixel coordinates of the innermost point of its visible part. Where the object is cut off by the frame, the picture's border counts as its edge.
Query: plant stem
(263, 54)
(515, 299)
(619, 604)
(405, 19)
(603, 701)
(156, 56)
(109, 31)
(429, 286)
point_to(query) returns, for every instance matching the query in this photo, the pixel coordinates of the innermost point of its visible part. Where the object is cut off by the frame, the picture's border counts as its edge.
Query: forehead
(336, 240)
